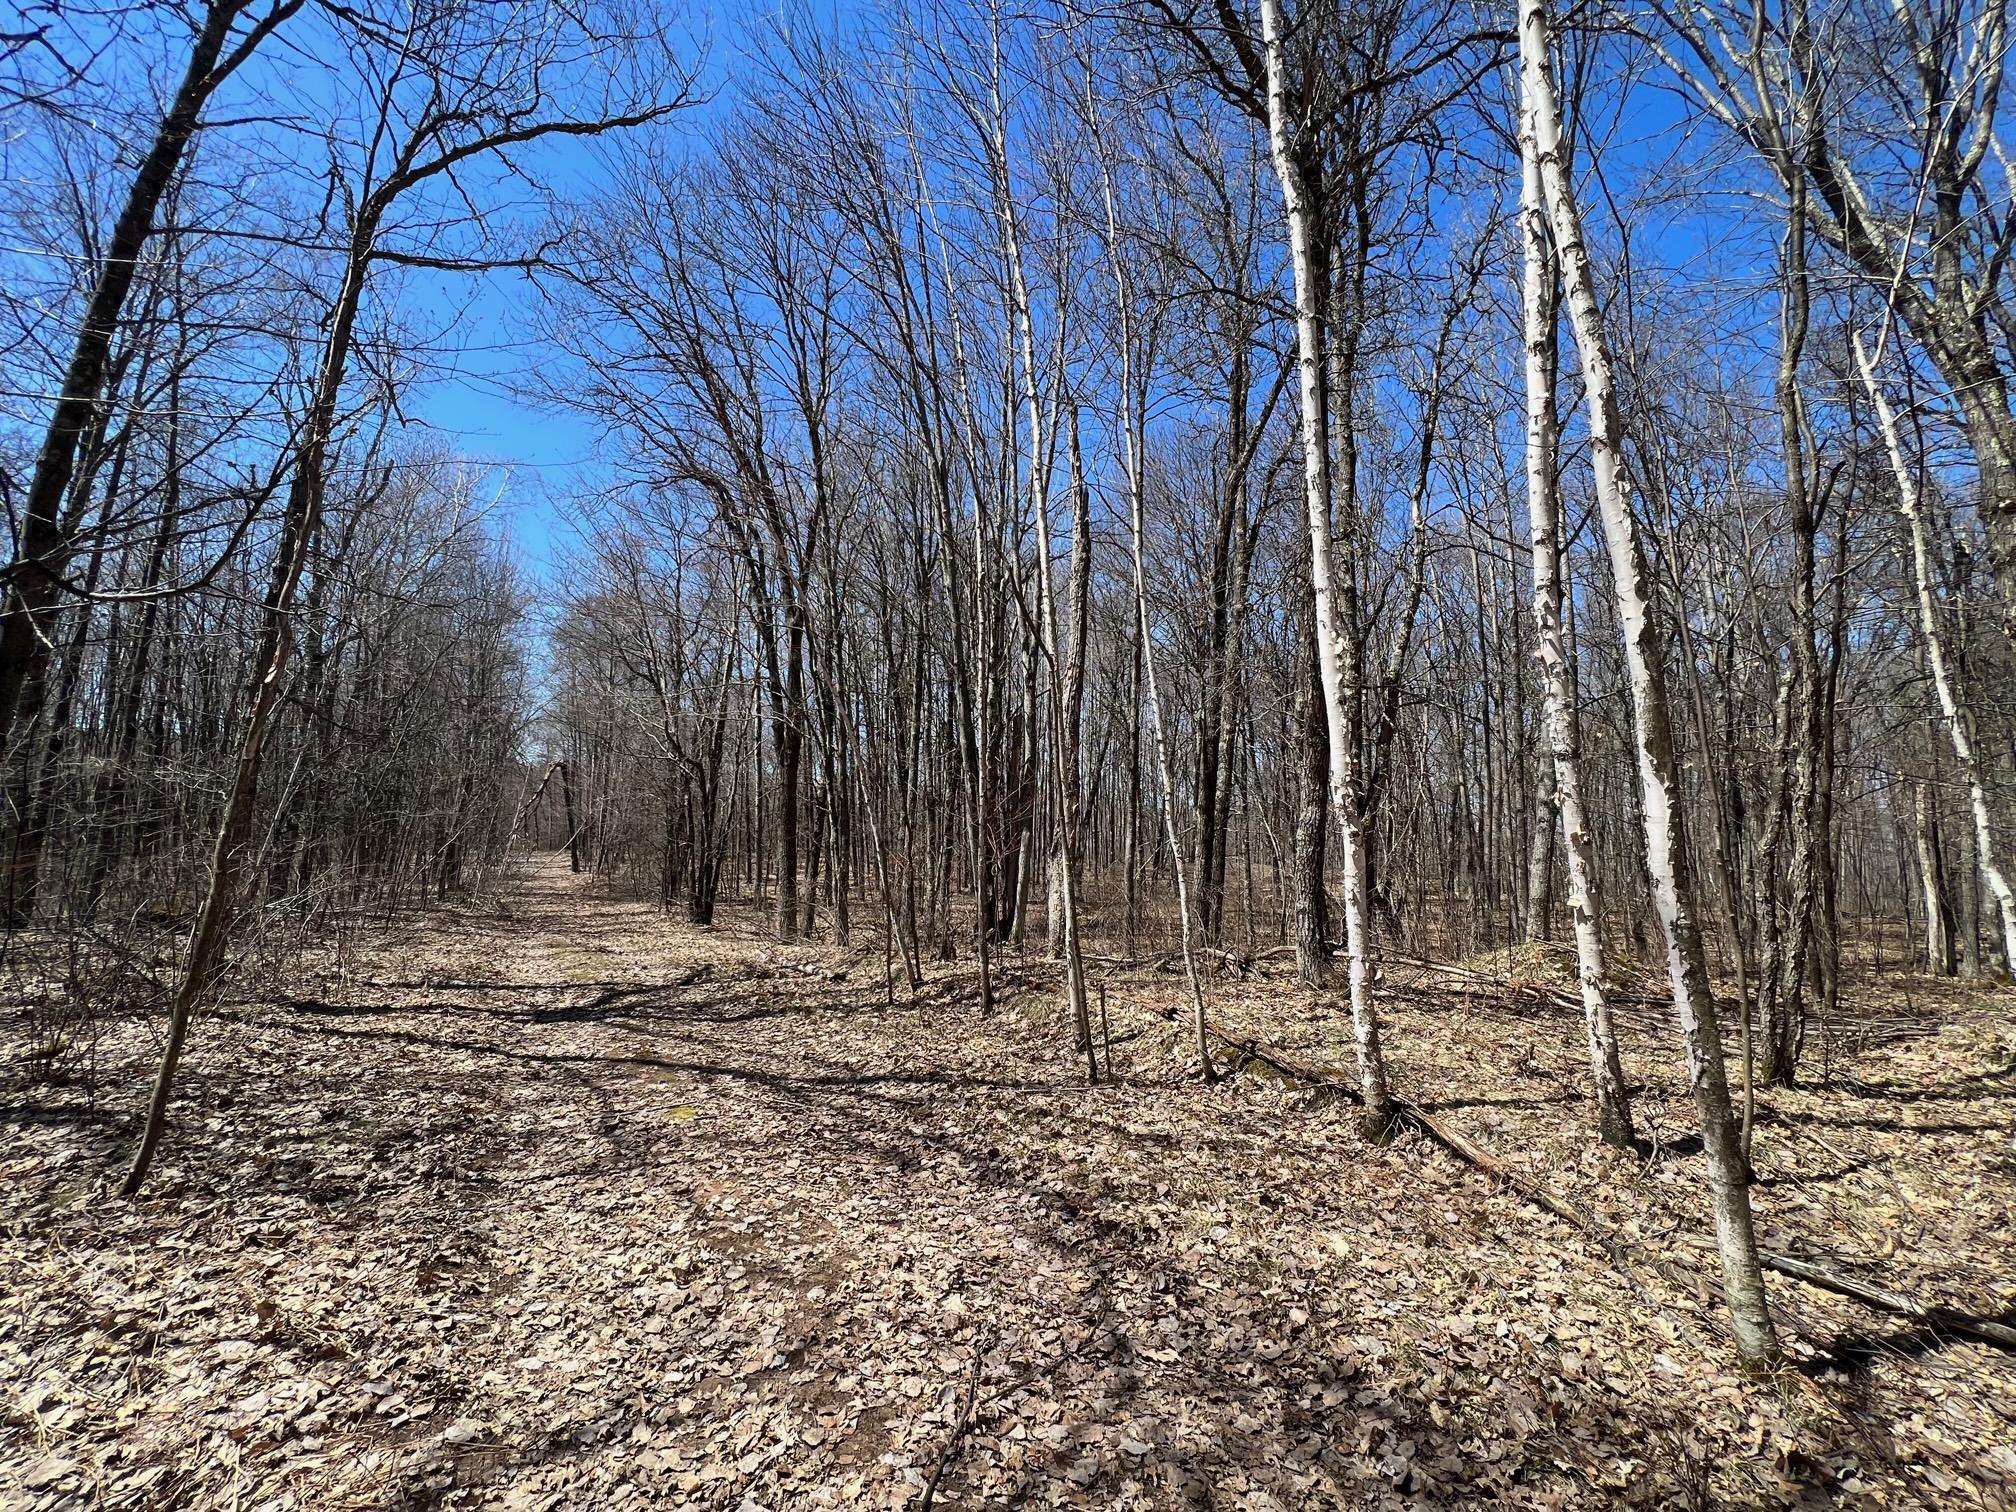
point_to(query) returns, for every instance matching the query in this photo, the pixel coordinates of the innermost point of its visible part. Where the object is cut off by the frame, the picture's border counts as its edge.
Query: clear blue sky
(491, 364)
(485, 405)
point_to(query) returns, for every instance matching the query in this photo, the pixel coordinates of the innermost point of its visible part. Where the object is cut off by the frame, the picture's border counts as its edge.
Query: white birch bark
(1543, 508)
(1063, 747)
(1958, 718)
(965, 619)
(1064, 754)
(1133, 424)
(1938, 939)
(1077, 610)
(1658, 770)
(1337, 700)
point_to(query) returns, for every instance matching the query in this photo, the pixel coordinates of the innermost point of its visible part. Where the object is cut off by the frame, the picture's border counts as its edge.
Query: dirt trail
(570, 1205)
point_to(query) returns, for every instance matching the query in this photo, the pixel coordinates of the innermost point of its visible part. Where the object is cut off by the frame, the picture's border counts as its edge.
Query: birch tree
(1564, 765)
(1953, 712)
(1658, 767)
(1063, 732)
(1892, 176)
(1132, 426)
(1339, 701)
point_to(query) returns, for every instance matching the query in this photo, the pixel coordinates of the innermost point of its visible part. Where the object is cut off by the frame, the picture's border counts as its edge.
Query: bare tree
(478, 95)
(1339, 701)
(35, 577)
(1564, 743)
(1956, 716)
(1658, 769)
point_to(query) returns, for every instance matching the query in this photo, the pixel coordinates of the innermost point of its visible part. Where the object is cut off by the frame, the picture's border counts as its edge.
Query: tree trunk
(566, 770)
(1312, 816)
(34, 585)
(1658, 770)
(1940, 958)
(300, 525)
(1958, 717)
(1563, 741)
(1339, 701)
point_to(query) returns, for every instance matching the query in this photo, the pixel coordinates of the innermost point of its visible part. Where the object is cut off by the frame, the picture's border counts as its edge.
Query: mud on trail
(566, 1204)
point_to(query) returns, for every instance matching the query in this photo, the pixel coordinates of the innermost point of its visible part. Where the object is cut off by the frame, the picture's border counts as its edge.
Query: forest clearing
(562, 1204)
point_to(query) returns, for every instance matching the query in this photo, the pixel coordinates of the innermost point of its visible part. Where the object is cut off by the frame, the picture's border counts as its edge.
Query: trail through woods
(562, 1203)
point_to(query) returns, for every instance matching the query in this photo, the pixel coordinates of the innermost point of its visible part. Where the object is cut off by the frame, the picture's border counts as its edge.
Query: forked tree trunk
(1658, 770)
(1338, 701)
(1563, 740)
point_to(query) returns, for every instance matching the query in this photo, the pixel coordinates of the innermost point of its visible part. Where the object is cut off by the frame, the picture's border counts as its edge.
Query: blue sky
(489, 366)
(484, 407)
(491, 363)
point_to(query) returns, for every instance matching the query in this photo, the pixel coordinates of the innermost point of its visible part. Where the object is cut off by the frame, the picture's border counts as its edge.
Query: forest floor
(565, 1204)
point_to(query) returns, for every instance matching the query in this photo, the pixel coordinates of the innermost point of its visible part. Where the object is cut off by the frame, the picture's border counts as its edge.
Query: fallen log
(1562, 996)
(1276, 1061)
(1461, 1145)
(1933, 1315)
(1621, 1253)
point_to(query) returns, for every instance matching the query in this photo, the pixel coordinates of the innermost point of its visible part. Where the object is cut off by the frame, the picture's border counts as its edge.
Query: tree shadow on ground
(911, 1136)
